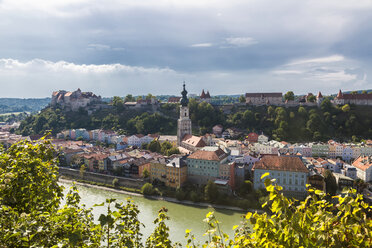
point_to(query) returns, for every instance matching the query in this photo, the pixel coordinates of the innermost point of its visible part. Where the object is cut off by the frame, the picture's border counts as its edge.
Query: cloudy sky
(140, 46)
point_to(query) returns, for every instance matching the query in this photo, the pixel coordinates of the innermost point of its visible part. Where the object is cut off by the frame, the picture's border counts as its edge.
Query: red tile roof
(281, 163)
(194, 141)
(363, 162)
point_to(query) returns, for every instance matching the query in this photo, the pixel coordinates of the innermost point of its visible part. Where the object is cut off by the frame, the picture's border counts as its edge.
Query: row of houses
(111, 137)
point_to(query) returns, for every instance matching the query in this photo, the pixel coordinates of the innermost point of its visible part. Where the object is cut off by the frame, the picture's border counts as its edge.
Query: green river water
(181, 217)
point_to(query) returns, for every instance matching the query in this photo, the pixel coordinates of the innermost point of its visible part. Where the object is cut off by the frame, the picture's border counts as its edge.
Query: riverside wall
(101, 178)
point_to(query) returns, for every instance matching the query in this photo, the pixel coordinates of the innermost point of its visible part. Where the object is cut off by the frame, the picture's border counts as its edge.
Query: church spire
(184, 100)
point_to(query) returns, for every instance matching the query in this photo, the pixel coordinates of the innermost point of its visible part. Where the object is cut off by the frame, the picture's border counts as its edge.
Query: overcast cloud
(228, 47)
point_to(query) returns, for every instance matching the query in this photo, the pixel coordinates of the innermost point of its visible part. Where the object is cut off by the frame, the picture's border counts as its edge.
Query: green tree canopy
(289, 96)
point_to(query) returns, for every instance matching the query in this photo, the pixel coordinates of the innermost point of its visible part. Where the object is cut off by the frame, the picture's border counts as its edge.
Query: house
(204, 165)
(174, 99)
(193, 143)
(349, 171)
(217, 130)
(343, 181)
(264, 98)
(176, 172)
(357, 99)
(319, 149)
(252, 137)
(363, 165)
(316, 180)
(262, 138)
(289, 172)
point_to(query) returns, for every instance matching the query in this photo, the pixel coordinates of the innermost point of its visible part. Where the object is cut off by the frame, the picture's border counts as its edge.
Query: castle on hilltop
(73, 100)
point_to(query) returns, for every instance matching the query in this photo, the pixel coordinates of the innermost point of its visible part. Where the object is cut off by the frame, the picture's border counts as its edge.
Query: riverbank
(161, 198)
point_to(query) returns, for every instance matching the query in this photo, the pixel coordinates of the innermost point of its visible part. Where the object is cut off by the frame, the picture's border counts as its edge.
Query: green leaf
(249, 215)
(265, 175)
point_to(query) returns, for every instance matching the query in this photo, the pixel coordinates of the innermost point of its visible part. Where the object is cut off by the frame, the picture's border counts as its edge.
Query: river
(182, 217)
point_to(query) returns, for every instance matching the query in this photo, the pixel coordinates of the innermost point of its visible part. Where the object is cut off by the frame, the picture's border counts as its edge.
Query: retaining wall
(102, 178)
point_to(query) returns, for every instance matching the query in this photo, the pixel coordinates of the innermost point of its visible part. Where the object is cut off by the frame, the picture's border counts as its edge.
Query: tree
(242, 99)
(330, 181)
(211, 191)
(82, 170)
(154, 146)
(147, 189)
(311, 98)
(129, 98)
(28, 177)
(245, 188)
(289, 96)
(118, 103)
(146, 173)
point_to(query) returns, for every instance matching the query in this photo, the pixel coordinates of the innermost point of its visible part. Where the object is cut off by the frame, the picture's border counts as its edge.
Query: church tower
(184, 122)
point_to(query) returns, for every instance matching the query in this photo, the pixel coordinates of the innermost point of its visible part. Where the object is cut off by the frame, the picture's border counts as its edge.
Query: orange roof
(363, 162)
(281, 163)
(217, 155)
(194, 141)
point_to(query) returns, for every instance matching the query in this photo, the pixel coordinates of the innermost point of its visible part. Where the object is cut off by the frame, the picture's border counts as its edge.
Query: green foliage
(289, 96)
(311, 98)
(129, 98)
(160, 236)
(242, 99)
(28, 177)
(115, 182)
(154, 146)
(245, 188)
(146, 173)
(346, 108)
(330, 182)
(147, 189)
(211, 191)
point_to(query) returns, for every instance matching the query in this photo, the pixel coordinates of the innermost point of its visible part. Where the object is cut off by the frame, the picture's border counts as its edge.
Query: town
(185, 159)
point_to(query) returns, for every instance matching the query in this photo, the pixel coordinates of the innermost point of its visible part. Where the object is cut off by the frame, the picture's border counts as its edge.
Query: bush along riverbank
(188, 195)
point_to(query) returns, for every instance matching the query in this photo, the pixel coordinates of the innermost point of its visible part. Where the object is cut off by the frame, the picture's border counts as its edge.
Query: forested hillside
(10, 105)
(348, 122)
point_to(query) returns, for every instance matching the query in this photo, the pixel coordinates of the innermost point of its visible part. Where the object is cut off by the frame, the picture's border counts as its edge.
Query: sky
(113, 47)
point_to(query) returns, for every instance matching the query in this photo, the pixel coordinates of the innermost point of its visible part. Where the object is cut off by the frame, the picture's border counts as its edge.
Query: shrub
(147, 189)
(115, 182)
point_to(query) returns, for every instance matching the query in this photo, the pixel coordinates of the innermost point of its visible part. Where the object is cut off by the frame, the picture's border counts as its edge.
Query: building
(204, 165)
(174, 99)
(205, 97)
(264, 98)
(357, 99)
(289, 172)
(193, 143)
(217, 130)
(184, 122)
(172, 173)
(73, 100)
(262, 138)
(319, 99)
(252, 137)
(363, 165)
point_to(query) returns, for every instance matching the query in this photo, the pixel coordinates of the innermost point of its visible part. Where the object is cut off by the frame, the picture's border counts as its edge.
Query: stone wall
(101, 178)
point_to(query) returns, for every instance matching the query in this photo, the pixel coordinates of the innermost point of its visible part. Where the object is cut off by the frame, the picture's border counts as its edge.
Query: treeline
(11, 105)
(123, 121)
(344, 123)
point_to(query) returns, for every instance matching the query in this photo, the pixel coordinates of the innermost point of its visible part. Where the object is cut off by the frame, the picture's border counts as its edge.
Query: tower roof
(320, 95)
(184, 100)
(339, 95)
(202, 94)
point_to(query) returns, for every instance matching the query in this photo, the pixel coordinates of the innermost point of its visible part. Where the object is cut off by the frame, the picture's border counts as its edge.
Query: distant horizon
(198, 94)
